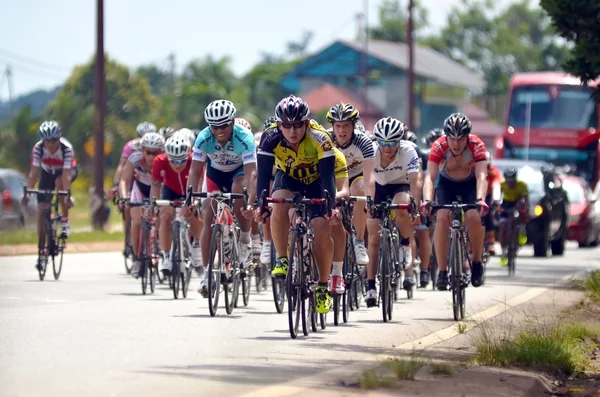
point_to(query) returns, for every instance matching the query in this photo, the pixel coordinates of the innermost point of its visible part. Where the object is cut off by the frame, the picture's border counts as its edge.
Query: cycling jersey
(63, 158)
(175, 181)
(514, 194)
(240, 150)
(405, 162)
(303, 164)
(359, 148)
(130, 147)
(494, 178)
(139, 173)
(341, 166)
(441, 153)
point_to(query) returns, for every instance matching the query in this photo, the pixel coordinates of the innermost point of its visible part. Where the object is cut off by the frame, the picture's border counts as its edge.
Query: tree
(298, 49)
(159, 80)
(393, 19)
(129, 101)
(18, 140)
(578, 22)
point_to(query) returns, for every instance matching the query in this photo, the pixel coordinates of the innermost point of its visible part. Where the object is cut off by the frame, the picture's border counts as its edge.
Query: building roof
(483, 125)
(344, 58)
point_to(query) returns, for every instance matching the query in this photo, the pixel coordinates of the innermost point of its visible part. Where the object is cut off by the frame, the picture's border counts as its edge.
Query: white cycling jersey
(406, 162)
(139, 173)
(359, 148)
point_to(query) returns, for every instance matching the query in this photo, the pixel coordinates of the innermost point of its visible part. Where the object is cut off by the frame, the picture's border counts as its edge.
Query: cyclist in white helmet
(396, 177)
(170, 172)
(138, 173)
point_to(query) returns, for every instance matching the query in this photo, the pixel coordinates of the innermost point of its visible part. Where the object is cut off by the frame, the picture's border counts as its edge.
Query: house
(441, 84)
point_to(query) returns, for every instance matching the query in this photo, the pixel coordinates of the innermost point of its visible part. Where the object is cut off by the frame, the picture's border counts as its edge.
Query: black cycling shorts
(314, 190)
(388, 192)
(449, 191)
(48, 182)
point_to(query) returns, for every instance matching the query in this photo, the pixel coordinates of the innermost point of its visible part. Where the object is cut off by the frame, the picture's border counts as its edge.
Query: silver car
(12, 213)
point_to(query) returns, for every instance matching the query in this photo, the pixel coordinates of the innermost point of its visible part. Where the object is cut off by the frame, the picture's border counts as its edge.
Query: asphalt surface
(93, 333)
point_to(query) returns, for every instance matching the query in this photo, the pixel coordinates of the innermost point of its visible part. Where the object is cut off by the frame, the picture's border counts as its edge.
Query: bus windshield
(553, 106)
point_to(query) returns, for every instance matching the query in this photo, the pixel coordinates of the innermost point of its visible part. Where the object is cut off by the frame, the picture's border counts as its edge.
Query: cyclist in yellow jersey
(303, 155)
(512, 191)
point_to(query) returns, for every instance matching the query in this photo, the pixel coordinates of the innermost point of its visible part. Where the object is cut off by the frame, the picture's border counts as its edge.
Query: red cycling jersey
(475, 152)
(176, 181)
(494, 177)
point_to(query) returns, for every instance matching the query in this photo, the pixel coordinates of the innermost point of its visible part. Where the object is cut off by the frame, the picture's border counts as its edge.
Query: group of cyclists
(294, 153)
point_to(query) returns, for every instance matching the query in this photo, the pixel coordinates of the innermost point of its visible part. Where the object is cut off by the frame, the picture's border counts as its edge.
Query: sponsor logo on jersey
(414, 161)
(326, 146)
(250, 156)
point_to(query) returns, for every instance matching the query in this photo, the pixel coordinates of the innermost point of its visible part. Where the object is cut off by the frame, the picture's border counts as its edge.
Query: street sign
(90, 147)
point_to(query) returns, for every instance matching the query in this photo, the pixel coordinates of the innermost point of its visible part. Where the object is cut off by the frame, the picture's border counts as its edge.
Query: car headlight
(538, 210)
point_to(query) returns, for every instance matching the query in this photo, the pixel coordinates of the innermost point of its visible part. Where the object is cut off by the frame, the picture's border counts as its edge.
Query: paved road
(94, 334)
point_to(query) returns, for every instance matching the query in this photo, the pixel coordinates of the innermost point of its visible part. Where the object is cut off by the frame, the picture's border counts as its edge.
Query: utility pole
(366, 56)
(100, 104)
(411, 67)
(10, 88)
(172, 69)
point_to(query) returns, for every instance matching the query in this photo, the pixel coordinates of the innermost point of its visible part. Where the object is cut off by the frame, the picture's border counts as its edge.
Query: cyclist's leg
(338, 234)
(283, 186)
(490, 231)
(447, 192)
(165, 233)
(47, 182)
(422, 232)
(404, 223)
(265, 254)
(359, 219)
(236, 182)
(136, 221)
(476, 234)
(373, 225)
(64, 208)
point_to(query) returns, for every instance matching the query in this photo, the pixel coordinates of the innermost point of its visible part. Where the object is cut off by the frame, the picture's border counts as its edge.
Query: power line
(43, 73)
(21, 58)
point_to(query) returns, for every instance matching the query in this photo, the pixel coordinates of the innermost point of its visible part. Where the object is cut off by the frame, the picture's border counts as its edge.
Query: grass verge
(391, 371)
(592, 285)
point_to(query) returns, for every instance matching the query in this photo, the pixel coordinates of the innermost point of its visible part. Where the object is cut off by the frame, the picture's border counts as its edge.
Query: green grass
(592, 285)
(30, 237)
(559, 349)
(404, 369)
(441, 369)
(373, 379)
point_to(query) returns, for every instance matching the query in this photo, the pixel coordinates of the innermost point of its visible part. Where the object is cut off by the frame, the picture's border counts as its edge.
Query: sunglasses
(387, 143)
(181, 161)
(149, 153)
(287, 126)
(219, 127)
(51, 140)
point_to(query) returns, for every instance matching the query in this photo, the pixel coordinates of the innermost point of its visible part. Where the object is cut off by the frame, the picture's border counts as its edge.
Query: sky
(42, 40)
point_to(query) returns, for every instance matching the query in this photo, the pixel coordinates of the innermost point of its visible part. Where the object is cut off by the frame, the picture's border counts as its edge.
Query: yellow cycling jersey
(301, 165)
(514, 194)
(341, 167)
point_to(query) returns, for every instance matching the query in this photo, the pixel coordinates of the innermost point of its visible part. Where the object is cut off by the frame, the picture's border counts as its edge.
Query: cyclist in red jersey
(494, 179)
(459, 160)
(170, 172)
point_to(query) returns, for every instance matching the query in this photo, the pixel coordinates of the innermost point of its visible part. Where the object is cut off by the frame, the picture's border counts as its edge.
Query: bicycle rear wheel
(386, 289)
(57, 262)
(245, 281)
(231, 289)
(512, 246)
(145, 259)
(295, 288)
(128, 251)
(176, 258)
(44, 248)
(215, 266)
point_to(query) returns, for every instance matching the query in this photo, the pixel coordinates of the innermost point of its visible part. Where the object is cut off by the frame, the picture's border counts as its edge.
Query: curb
(32, 249)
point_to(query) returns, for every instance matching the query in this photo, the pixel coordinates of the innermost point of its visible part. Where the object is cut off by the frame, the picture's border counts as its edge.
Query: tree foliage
(578, 21)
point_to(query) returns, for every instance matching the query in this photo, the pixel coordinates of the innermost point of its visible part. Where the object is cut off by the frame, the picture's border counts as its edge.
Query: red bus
(551, 117)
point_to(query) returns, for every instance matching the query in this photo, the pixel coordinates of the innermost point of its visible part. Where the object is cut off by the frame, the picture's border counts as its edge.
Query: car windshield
(574, 192)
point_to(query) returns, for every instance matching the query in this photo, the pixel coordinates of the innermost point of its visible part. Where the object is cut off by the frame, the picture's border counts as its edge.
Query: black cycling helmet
(457, 125)
(411, 137)
(269, 122)
(292, 109)
(343, 112)
(510, 174)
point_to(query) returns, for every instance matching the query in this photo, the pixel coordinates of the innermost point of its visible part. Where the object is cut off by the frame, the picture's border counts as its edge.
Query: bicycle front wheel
(128, 251)
(176, 261)
(278, 285)
(295, 285)
(387, 290)
(57, 262)
(215, 265)
(456, 264)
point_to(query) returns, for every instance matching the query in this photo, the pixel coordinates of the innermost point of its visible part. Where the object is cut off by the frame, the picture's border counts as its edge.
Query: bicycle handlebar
(217, 196)
(298, 199)
(64, 193)
(453, 206)
(388, 205)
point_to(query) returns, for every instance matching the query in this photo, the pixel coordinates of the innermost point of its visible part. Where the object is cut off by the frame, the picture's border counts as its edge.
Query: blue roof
(343, 59)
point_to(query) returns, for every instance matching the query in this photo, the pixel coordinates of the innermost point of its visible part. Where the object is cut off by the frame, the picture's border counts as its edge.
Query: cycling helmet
(269, 122)
(152, 140)
(219, 113)
(177, 147)
(144, 128)
(388, 129)
(434, 135)
(411, 137)
(243, 122)
(292, 109)
(189, 134)
(510, 174)
(343, 112)
(457, 125)
(360, 127)
(166, 132)
(49, 129)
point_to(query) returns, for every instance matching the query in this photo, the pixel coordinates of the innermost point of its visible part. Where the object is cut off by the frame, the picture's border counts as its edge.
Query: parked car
(584, 226)
(549, 213)
(12, 213)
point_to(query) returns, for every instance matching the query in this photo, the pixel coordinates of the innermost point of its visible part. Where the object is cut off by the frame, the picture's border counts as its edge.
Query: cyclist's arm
(250, 180)
(481, 176)
(368, 167)
(413, 171)
(126, 176)
(118, 171)
(326, 171)
(196, 176)
(157, 179)
(342, 187)
(496, 194)
(264, 165)
(431, 175)
(66, 170)
(34, 175)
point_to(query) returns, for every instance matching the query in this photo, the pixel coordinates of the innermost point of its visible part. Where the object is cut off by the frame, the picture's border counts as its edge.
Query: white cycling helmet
(144, 128)
(389, 129)
(189, 134)
(166, 132)
(152, 140)
(177, 147)
(49, 130)
(219, 113)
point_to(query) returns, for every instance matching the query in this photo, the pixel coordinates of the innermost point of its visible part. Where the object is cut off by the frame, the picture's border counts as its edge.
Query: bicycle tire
(245, 281)
(433, 268)
(144, 259)
(294, 286)
(233, 283)
(44, 235)
(60, 247)
(385, 289)
(348, 272)
(176, 258)
(214, 274)
(278, 285)
(151, 272)
(456, 277)
(128, 250)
